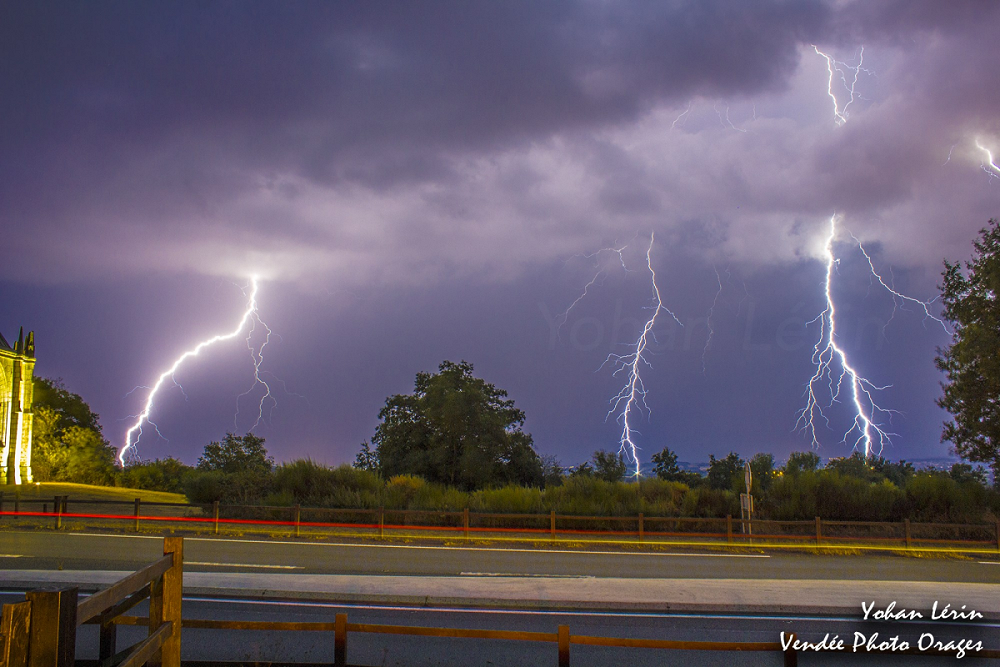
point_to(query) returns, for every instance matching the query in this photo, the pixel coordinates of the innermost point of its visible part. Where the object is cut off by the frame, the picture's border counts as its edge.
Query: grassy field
(87, 492)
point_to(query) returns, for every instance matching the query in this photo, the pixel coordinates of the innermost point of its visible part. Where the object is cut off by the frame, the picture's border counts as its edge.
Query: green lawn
(88, 492)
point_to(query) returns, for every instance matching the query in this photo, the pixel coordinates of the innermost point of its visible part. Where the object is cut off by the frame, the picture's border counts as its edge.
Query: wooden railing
(53, 615)
(562, 638)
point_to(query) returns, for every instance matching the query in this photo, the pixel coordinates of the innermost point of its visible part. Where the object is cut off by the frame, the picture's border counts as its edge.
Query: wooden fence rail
(41, 632)
(381, 522)
(562, 637)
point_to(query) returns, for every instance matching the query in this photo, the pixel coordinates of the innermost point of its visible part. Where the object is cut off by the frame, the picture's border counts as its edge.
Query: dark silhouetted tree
(609, 466)
(456, 429)
(972, 362)
(237, 454)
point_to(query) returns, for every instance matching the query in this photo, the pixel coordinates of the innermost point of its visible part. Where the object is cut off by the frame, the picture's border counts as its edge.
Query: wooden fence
(41, 631)
(380, 522)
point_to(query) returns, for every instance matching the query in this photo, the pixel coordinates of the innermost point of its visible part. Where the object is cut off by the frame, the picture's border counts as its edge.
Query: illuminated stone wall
(17, 367)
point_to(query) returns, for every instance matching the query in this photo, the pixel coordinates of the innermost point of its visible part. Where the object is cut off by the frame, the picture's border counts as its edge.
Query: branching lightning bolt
(251, 317)
(835, 68)
(896, 296)
(866, 430)
(708, 322)
(990, 165)
(257, 357)
(562, 317)
(632, 396)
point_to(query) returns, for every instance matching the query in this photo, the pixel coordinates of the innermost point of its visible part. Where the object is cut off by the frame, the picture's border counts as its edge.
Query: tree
(972, 362)
(801, 462)
(665, 467)
(70, 408)
(609, 466)
(455, 429)
(366, 459)
(67, 443)
(237, 454)
(725, 473)
(762, 469)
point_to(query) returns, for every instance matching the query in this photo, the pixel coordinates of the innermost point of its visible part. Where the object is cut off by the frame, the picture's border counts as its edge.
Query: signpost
(746, 503)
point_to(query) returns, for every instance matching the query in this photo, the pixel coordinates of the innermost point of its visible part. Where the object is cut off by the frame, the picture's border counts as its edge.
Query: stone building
(17, 365)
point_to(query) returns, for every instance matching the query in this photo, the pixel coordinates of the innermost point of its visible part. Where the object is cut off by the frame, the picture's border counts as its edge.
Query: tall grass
(829, 493)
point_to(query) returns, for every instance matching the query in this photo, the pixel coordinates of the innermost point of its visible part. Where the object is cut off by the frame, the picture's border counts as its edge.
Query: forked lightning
(249, 321)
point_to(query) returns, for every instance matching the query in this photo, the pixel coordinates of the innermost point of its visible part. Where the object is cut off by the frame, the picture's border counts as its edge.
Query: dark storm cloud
(123, 117)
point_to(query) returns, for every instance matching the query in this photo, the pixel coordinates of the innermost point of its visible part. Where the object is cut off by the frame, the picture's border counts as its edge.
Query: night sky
(421, 181)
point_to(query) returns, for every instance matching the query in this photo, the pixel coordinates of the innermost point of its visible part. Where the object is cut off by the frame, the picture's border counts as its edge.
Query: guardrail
(381, 522)
(44, 625)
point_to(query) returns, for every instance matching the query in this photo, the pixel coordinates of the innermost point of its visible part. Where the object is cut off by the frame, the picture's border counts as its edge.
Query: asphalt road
(82, 551)
(370, 649)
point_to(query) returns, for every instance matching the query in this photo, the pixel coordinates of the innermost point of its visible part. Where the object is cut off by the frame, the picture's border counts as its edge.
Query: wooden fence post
(819, 530)
(465, 522)
(53, 627)
(729, 528)
(173, 588)
(906, 525)
(155, 616)
(17, 502)
(298, 518)
(640, 527)
(59, 510)
(340, 640)
(215, 514)
(381, 522)
(1, 505)
(552, 523)
(108, 642)
(563, 646)
(138, 505)
(791, 656)
(15, 627)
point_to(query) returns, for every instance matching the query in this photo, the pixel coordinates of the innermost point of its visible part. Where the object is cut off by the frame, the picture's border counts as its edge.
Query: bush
(159, 475)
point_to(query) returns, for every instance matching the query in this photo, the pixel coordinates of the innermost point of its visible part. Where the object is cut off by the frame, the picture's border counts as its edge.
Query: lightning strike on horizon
(825, 353)
(250, 315)
(633, 394)
(832, 66)
(865, 428)
(990, 165)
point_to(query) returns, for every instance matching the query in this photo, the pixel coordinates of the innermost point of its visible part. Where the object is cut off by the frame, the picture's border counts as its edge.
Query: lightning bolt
(257, 357)
(837, 68)
(683, 113)
(828, 356)
(898, 297)
(562, 317)
(708, 321)
(632, 397)
(990, 165)
(251, 317)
